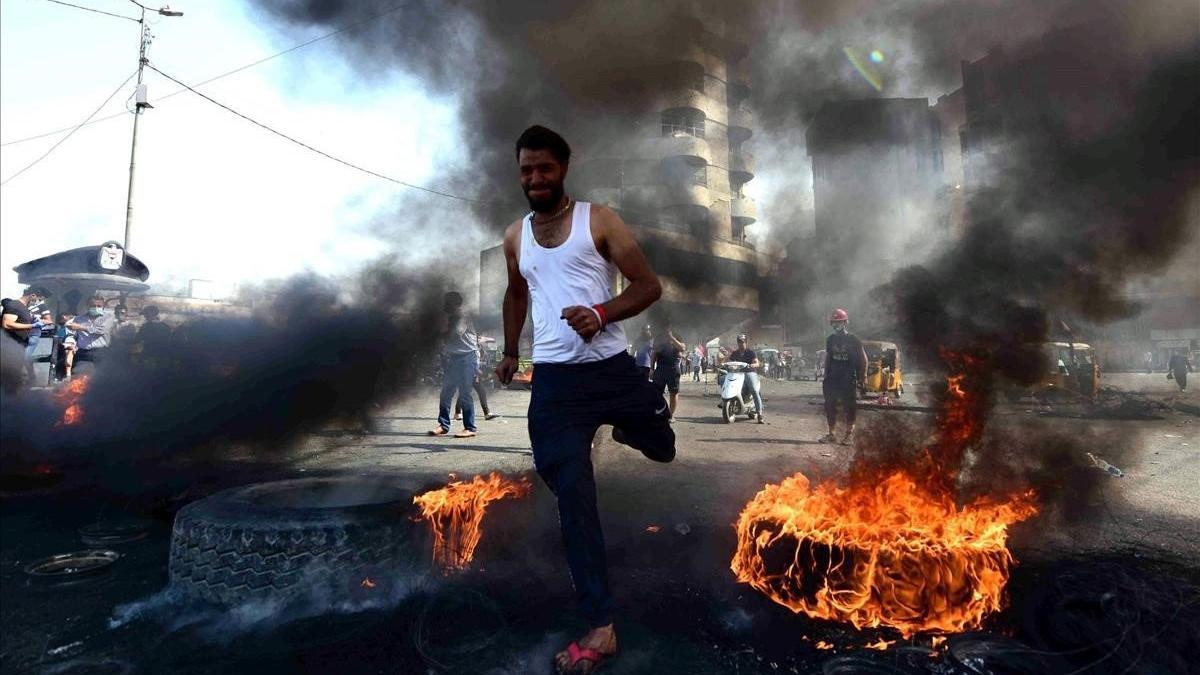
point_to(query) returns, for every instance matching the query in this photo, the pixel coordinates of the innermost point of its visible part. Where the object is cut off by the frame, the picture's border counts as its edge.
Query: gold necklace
(553, 217)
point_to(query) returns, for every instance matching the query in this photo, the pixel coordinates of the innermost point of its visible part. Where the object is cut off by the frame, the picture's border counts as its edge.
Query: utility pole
(141, 101)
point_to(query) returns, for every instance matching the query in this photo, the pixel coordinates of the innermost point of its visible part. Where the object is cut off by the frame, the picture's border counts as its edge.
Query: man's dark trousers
(843, 392)
(568, 404)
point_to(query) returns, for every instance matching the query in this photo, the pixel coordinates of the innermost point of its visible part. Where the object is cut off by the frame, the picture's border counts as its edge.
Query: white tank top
(572, 273)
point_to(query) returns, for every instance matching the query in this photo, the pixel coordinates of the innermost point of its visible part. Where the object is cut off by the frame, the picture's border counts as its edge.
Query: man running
(564, 254)
(845, 367)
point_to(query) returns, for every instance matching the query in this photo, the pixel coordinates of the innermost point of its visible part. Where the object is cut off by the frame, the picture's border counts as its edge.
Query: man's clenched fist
(583, 320)
(506, 369)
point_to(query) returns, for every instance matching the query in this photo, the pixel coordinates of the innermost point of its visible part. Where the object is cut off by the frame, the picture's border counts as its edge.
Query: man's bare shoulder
(604, 216)
(512, 232)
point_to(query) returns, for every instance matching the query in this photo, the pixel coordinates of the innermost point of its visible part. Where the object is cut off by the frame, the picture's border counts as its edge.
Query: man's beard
(545, 205)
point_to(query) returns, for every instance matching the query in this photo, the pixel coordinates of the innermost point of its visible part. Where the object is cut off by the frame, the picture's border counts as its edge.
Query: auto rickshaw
(768, 361)
(523, 378)
(1072, 372)
(884, 375)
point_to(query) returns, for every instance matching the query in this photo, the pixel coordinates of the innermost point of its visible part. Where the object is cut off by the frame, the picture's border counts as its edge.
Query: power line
(72, 132)
(289, 50)
(97, 11)
(306, 146)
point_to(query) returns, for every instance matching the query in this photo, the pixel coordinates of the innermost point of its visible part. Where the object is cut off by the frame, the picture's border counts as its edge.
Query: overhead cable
(289, 50)
(306, 146)
(97, 11)
(72, 132)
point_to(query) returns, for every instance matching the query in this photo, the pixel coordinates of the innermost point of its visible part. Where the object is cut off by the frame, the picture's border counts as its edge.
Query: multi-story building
(1056, 89)
(877, 187)
(951, 112)
(675, 170)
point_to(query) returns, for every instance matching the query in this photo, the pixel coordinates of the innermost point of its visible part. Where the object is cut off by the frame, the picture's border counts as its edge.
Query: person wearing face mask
(93, 334)
(845, 367)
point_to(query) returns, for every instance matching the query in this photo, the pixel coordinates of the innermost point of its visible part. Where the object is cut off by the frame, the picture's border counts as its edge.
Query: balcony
(684, 98)
(743, 210)
(736, 92)
(679, 145)
(741, 123)
(741, 167)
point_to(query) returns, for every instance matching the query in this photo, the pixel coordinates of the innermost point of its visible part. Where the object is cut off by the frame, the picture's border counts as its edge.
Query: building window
(683, 122)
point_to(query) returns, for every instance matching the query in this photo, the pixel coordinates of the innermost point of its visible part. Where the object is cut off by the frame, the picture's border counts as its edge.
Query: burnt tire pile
(333, 540)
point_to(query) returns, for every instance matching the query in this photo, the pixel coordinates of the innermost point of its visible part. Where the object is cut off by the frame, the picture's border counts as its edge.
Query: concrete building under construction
(677, 176)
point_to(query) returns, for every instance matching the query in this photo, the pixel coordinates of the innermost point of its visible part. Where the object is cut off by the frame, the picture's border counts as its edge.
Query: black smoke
(582, 68)
(799, 64)
(1088, 186)
(315, 352)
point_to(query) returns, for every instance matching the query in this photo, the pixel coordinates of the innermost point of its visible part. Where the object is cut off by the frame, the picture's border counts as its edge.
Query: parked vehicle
(884, 375)
(768, 358)
(734, 387)
(523, 379)
(1072, 372)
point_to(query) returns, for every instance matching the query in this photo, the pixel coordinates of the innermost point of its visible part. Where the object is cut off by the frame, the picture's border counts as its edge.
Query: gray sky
(216, 197)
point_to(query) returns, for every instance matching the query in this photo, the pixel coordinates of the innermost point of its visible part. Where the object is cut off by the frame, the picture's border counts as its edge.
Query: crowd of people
(59, 344)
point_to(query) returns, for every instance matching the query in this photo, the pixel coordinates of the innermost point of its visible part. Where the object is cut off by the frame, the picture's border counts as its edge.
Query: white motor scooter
(734, 386)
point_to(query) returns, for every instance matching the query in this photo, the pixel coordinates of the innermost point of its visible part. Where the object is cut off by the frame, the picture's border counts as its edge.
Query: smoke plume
(317, 352)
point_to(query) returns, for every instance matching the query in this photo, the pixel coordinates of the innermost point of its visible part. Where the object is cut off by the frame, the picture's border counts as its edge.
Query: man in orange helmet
(845, 367)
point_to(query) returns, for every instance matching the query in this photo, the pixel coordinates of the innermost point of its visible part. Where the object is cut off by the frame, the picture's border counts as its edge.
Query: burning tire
(294, 539)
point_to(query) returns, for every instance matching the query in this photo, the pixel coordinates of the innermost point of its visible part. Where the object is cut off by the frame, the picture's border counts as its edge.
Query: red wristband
(603, 315)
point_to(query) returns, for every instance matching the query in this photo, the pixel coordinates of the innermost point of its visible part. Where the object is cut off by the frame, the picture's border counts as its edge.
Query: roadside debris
(58, 651)
(1105, 466)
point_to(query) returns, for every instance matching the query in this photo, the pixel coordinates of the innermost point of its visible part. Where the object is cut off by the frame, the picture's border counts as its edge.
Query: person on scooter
(747, 355)
(845, 367)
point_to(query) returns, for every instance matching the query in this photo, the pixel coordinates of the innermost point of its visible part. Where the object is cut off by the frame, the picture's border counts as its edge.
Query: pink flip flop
(578, 654)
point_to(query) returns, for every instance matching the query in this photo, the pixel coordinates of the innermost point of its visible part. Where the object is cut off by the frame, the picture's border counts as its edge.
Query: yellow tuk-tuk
(884, 375)
(1072, 372)
(523, 379)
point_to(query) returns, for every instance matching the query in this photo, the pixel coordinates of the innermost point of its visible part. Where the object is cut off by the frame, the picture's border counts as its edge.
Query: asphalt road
(680, 609)
(719, 466)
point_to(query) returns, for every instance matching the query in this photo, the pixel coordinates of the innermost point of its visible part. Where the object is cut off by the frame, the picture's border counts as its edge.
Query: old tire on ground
(293, 539)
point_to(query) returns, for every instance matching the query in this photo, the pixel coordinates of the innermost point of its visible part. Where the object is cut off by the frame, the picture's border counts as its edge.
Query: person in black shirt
(665, 362)
(845, 367)
(1178, 368)
(154, 337)
(16, 317)
(747, 355)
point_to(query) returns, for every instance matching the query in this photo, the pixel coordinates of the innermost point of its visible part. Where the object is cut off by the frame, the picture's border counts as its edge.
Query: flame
(653, 529)
(69, 396)
(456, 512)
(890, 547)
(889, 554)
(821, 644)
(368, 583)
(882, 645)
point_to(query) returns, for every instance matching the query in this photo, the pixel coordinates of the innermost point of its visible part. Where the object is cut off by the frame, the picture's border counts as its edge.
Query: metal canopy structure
(80, 272)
